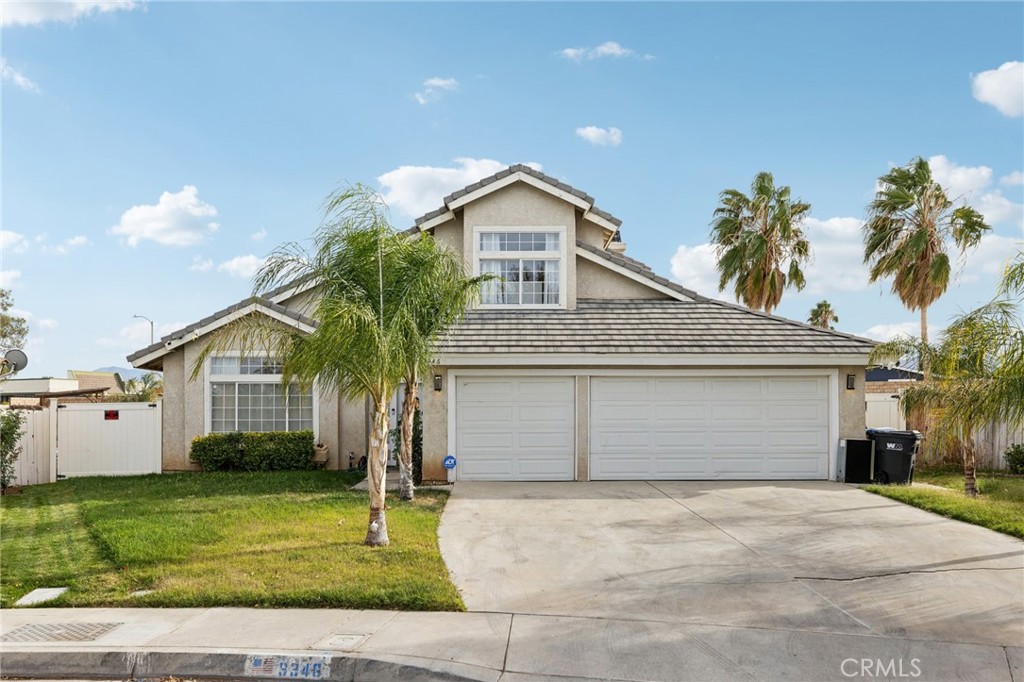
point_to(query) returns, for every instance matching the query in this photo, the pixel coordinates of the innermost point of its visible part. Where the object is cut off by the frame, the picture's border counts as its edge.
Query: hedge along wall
(269, 451)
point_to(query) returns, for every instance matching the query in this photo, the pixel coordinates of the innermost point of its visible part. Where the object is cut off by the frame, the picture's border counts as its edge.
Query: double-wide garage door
(644, 427)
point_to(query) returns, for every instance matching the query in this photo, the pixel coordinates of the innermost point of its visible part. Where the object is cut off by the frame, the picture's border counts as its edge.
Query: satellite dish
(16, 359)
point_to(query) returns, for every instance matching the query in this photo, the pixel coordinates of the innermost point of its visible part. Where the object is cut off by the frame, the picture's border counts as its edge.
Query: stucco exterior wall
(175, 446)
(852, 405)
(583, 428)
(590, 233)
(595, 281)
(450, 235)
(434, 406)
(520, 205)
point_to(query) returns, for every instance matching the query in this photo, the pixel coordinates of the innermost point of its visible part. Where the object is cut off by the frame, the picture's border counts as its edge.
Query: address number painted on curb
(282, 666)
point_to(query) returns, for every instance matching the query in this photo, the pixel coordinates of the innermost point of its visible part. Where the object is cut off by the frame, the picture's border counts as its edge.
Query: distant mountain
(125, 372)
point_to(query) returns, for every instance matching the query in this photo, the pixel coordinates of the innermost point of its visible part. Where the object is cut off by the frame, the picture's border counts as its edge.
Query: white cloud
(46, 324)
(178, 219)
(609, 49)
(434, 88)
(258, 235)
(242, 266)
(695, 267)
(837, 264)
(200, 264)
(12, 75)
(959, 181)
(601, 137)
(888, 332)
(12, 242)
(414, 190)
(31, 13)
(9, 278)
(973, 185)
(136, 334)
(71, 243)
(1012, 179)
(1003, 88)
(991, 256)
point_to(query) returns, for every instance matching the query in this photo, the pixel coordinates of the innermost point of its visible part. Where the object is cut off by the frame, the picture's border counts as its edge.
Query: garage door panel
(515, 428)
(709, 427)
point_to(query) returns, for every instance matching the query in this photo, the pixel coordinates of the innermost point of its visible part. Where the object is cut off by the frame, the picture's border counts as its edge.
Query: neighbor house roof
(515, 172)
(108, 381)
(643, 326)
(254, 304)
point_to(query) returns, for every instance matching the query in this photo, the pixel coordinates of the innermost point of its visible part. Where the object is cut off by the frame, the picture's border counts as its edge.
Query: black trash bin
(894, 454)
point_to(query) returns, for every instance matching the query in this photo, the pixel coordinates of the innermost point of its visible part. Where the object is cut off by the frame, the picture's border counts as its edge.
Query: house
(580, 363)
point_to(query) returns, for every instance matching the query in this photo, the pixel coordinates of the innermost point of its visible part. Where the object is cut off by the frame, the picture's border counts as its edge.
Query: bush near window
(1015, 458)
(11, 422)
(256, 451)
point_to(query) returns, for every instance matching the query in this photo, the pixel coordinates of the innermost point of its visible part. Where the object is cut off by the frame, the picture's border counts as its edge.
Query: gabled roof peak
(522, 168)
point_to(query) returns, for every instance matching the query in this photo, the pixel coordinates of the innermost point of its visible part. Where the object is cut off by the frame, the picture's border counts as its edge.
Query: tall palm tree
(759, 242)
(978, 367)
(444, 294)
(823, 316)
(909, 222)
(369, 306)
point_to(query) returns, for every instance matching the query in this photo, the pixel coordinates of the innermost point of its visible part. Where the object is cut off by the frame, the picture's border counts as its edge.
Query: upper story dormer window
(527, 262)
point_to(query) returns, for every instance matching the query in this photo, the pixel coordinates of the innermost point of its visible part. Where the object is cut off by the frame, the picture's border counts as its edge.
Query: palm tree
(445, 295)
(909, 222)
(978, 369)
(368, 313)
(145, 388)
(823, 316)
(757, 238)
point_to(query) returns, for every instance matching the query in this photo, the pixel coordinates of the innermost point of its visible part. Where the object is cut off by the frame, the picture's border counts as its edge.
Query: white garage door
(709, 427)
(515, 428)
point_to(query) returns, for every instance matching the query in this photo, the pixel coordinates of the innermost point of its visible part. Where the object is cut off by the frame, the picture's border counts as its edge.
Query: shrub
(11, 422)
(1015, 458)
(269, 451)
(217, 451)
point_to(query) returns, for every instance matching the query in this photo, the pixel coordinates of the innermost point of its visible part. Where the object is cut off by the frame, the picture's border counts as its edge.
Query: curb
(231, 664)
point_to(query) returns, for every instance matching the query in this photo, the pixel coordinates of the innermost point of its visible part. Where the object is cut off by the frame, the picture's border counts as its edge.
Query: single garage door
(515, 428)
(709, 427)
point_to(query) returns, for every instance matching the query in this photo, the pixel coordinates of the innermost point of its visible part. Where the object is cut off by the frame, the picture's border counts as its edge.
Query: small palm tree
(445, 294)
(823, 316)
(978, 367)
(145, 388)
(909, 222)
(759, 242)
(372, 285)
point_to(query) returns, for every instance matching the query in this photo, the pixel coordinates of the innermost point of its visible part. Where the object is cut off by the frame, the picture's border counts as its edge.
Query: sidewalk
(389, 645)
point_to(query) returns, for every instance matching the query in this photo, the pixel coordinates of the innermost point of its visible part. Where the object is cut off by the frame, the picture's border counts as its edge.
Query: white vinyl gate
(108, 439)
(33, 464)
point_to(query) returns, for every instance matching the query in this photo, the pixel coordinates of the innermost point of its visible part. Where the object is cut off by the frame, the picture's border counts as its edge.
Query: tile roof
(504, 173)
(261, 301)
(641, 326)
(97, 381)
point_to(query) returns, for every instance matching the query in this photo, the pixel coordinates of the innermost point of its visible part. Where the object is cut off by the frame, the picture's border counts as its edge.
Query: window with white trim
(246, 394)
(527, 266)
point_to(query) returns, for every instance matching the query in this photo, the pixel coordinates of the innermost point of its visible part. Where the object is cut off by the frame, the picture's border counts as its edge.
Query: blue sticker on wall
(449, 462)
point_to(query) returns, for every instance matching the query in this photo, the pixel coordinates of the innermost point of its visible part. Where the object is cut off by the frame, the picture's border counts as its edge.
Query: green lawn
(1000, 506)
(219, 539)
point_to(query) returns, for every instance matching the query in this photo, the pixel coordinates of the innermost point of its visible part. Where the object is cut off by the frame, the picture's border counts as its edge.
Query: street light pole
(143, 317)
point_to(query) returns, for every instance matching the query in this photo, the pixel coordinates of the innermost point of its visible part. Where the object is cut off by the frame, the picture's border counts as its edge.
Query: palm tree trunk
(970, 479)
(406, 479)
(377, 472)
(925, 370)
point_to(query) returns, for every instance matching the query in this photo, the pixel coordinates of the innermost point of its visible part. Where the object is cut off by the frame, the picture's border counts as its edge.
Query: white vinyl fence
(89, 439)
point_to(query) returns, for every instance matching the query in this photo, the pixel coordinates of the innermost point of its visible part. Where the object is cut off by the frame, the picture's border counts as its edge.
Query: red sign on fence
(111, 415)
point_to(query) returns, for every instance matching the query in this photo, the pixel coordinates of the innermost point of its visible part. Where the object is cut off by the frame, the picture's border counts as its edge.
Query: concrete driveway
(785, 571)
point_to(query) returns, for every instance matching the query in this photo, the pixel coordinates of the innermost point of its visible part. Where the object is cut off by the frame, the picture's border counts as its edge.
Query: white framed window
(528, 264)
(244, 393)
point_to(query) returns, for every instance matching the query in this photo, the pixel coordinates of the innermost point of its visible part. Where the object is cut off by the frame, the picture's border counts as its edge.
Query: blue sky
(153, 153)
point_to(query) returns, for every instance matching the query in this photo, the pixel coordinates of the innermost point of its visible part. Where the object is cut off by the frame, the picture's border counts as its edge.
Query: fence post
(53, 441)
